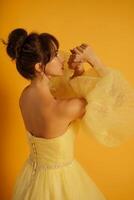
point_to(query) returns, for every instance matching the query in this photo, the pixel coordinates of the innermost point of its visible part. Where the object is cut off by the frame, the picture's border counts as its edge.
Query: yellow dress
(52, 173)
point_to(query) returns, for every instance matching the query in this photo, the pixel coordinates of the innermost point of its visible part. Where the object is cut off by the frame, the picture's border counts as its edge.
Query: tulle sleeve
(109, 113)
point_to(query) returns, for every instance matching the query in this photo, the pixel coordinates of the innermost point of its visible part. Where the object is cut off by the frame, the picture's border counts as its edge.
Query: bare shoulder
(22, 95)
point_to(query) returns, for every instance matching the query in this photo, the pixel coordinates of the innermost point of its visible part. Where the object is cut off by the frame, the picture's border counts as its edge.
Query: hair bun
(15, 41)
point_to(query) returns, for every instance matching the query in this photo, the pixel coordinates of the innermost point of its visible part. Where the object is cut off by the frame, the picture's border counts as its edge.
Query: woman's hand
(76, 64)
(85, 53)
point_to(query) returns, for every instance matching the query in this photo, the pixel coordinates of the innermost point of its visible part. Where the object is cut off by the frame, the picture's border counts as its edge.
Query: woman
(51, 171)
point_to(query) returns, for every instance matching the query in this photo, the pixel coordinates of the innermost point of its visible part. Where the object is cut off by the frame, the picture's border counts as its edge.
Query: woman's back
(45, 118)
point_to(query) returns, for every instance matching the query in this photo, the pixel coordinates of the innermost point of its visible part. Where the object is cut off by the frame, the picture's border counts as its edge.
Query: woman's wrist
(99, 66)
(95, 62)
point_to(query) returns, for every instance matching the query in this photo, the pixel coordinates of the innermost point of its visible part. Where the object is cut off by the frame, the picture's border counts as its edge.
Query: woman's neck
(42, 83)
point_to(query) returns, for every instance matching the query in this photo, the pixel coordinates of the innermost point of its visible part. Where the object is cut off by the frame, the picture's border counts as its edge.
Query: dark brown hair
(27, 50)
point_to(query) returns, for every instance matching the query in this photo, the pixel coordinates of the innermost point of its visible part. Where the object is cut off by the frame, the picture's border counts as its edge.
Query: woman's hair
(29, 49)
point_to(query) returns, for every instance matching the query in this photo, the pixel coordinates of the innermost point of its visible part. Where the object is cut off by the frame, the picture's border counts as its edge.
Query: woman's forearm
(87, 54)
(98, 65)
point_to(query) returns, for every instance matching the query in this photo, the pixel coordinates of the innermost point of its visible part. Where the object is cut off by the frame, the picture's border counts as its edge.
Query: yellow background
(109, 27)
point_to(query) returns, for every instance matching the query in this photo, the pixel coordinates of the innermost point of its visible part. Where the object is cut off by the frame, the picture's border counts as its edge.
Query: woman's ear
(38, 67)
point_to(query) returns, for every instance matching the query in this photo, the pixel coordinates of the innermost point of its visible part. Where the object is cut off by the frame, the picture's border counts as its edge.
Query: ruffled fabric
(109, 113)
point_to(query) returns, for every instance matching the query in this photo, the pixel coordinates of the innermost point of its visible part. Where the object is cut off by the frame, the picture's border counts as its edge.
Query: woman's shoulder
(27, 95)
(22, 94)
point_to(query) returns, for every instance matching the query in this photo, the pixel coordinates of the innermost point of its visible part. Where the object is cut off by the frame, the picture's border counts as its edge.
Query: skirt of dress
(69, 182)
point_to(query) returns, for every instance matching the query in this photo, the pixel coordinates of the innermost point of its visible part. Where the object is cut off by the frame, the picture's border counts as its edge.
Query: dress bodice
(51, 152)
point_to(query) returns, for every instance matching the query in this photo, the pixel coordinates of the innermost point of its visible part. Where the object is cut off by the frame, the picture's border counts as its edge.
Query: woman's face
(56, 65)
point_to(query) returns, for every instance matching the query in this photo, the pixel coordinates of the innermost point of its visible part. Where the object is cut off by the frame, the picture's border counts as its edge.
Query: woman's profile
(51, 171)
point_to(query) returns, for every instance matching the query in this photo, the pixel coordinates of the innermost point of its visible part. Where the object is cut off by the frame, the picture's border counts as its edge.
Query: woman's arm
(99, 66)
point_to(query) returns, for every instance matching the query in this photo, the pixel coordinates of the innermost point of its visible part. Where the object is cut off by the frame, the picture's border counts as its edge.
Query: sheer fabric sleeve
(109, 113)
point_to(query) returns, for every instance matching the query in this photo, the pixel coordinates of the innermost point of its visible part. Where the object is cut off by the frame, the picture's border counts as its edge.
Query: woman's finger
(72, 51)
(84, 45)
(80, 49)
(77, 59)
(73, 65)
(76, 51)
